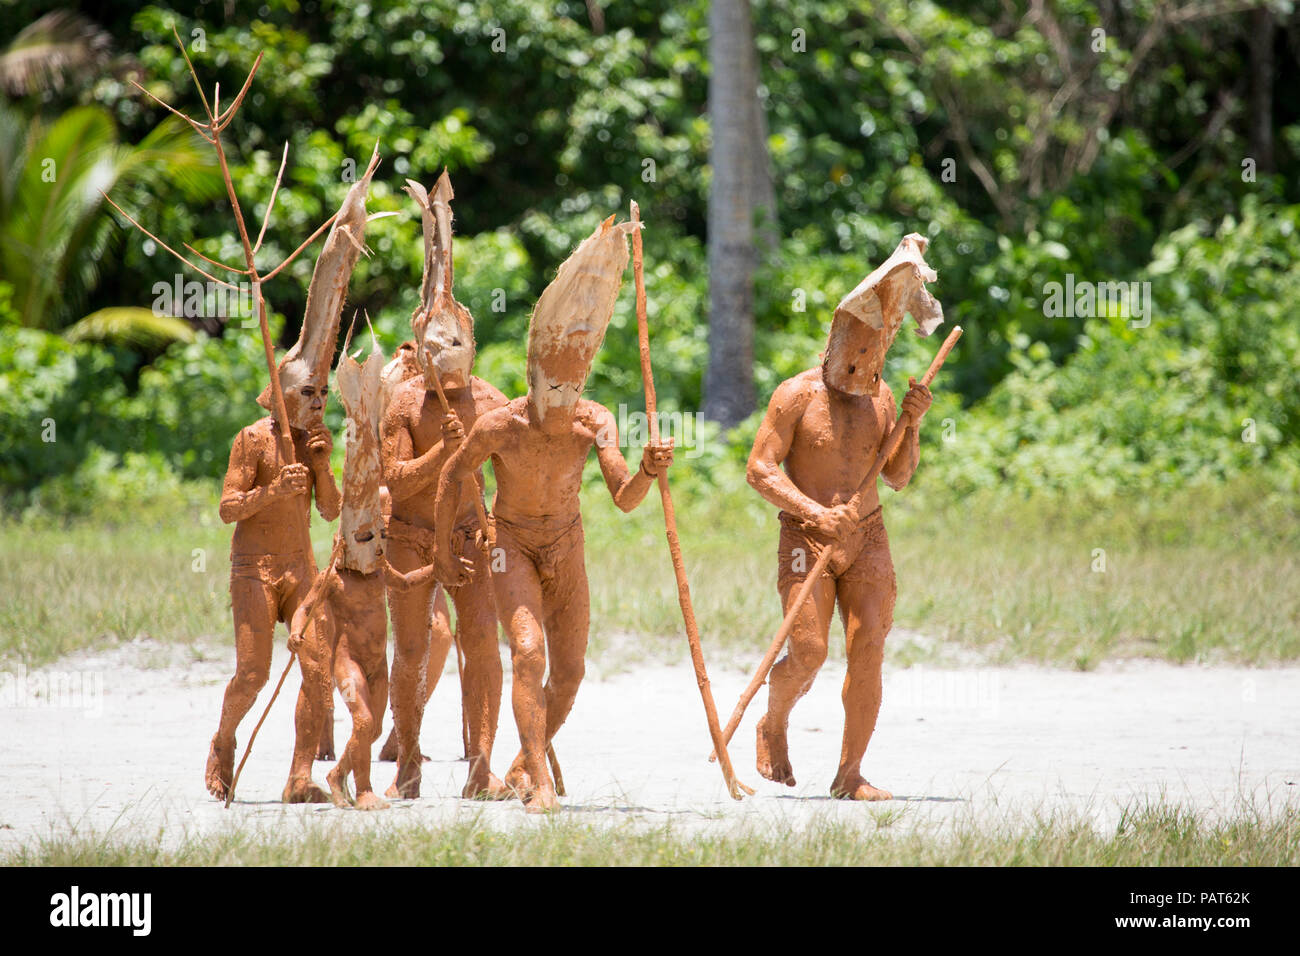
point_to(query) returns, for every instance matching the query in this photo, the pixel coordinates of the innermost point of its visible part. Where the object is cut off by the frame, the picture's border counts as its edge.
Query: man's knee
(528, 660)
(807, 651)
(252, 675)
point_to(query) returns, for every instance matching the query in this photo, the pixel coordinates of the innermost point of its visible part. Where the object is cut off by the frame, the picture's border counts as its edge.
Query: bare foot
(518, 782)
(853, 787)
(773, 757)
(221, 769)
(542, 800)
(486, 786)
(369, 800)
(303, 790)
(406, 785)
(339, 788)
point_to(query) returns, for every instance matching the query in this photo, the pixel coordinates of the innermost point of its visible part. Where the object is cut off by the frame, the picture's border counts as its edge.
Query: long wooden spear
(734, 786)
(805, 589)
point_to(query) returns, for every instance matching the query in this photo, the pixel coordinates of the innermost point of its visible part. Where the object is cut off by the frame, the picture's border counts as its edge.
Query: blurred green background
(1000, 130)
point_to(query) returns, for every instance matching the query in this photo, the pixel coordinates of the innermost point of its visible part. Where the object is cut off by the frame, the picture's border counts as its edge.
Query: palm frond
(129, 325)
(47, 51)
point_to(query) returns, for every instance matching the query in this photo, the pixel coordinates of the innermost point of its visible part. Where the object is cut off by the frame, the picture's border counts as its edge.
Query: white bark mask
(444, 329)
(361, 523)
(868, 319)
(569, 321)
(313, 353)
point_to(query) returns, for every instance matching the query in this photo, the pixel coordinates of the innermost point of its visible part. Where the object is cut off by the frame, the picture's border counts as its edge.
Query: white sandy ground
(113, 744)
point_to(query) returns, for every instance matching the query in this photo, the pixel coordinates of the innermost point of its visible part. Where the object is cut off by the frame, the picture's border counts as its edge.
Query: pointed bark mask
(308, 362)
(444, 329)
(361, 523)
(868, 318)
(569, 321)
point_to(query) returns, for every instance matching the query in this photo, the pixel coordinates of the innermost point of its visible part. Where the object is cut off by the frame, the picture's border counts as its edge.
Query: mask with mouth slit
(444, 329)
(361, 522)
(569, 321)
(868, 318)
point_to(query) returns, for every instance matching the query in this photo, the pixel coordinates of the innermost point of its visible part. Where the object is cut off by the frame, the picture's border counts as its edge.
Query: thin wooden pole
(734, 786)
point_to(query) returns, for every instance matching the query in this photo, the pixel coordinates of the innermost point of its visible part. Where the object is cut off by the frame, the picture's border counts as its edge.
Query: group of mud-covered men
(413, 525)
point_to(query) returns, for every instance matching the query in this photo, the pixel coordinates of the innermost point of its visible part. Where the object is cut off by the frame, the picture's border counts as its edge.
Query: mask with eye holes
(361, 523)
(569, 321)
(444, 329)
(868, 318)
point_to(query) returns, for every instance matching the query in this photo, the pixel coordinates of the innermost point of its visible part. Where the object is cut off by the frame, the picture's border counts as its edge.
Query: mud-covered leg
(476, 623)
(254, 604)
(356, 694)
(868, 611)
(519, 600)
(315, 658)
(793, 675)
(411, 613)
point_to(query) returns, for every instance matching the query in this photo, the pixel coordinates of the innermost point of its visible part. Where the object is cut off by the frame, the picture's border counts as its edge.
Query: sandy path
(123, 749)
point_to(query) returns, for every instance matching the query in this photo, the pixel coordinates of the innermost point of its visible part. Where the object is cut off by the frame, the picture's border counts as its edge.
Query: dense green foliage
(1023, 151)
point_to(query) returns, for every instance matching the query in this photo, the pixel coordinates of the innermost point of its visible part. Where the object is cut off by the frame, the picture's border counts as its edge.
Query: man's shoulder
(796, 392)
(486, 393)
(508, 416)
(408, 399)
(592, 415)
(261, 430)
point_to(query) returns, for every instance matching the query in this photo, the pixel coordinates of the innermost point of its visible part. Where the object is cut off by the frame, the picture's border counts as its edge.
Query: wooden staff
(489, 538)
(734, 786)
(801, 596)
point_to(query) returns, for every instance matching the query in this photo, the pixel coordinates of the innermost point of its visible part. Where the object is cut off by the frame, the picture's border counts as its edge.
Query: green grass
(1208, 575)
(1156, 834)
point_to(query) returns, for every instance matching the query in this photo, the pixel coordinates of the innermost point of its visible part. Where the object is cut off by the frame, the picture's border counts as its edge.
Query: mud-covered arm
(316, 596)
(771, 445)
(328, 500)
(412, 579)
(239, 498)
(406, 473)
(483, 439)
(901, 466)
(628, 489)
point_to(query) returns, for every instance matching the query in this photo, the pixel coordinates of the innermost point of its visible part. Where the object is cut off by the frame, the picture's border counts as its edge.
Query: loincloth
(546, 548)
(284, 577)
(862, 556)
(413, 538)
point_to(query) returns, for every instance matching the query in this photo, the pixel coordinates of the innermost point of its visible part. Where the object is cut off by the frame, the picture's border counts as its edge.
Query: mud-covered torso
(836, 440)
(275, 529)
(539, 473)
(358, 608)
(420, 411)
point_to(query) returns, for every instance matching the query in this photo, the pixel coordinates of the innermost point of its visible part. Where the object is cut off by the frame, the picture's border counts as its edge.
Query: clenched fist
(292, 480)
(320, 444)
(917, 401)
(836, 523)
(453, 430)
(657, 456)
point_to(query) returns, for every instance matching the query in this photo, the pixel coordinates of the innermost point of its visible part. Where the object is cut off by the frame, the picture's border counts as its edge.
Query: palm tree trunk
(737, 186)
